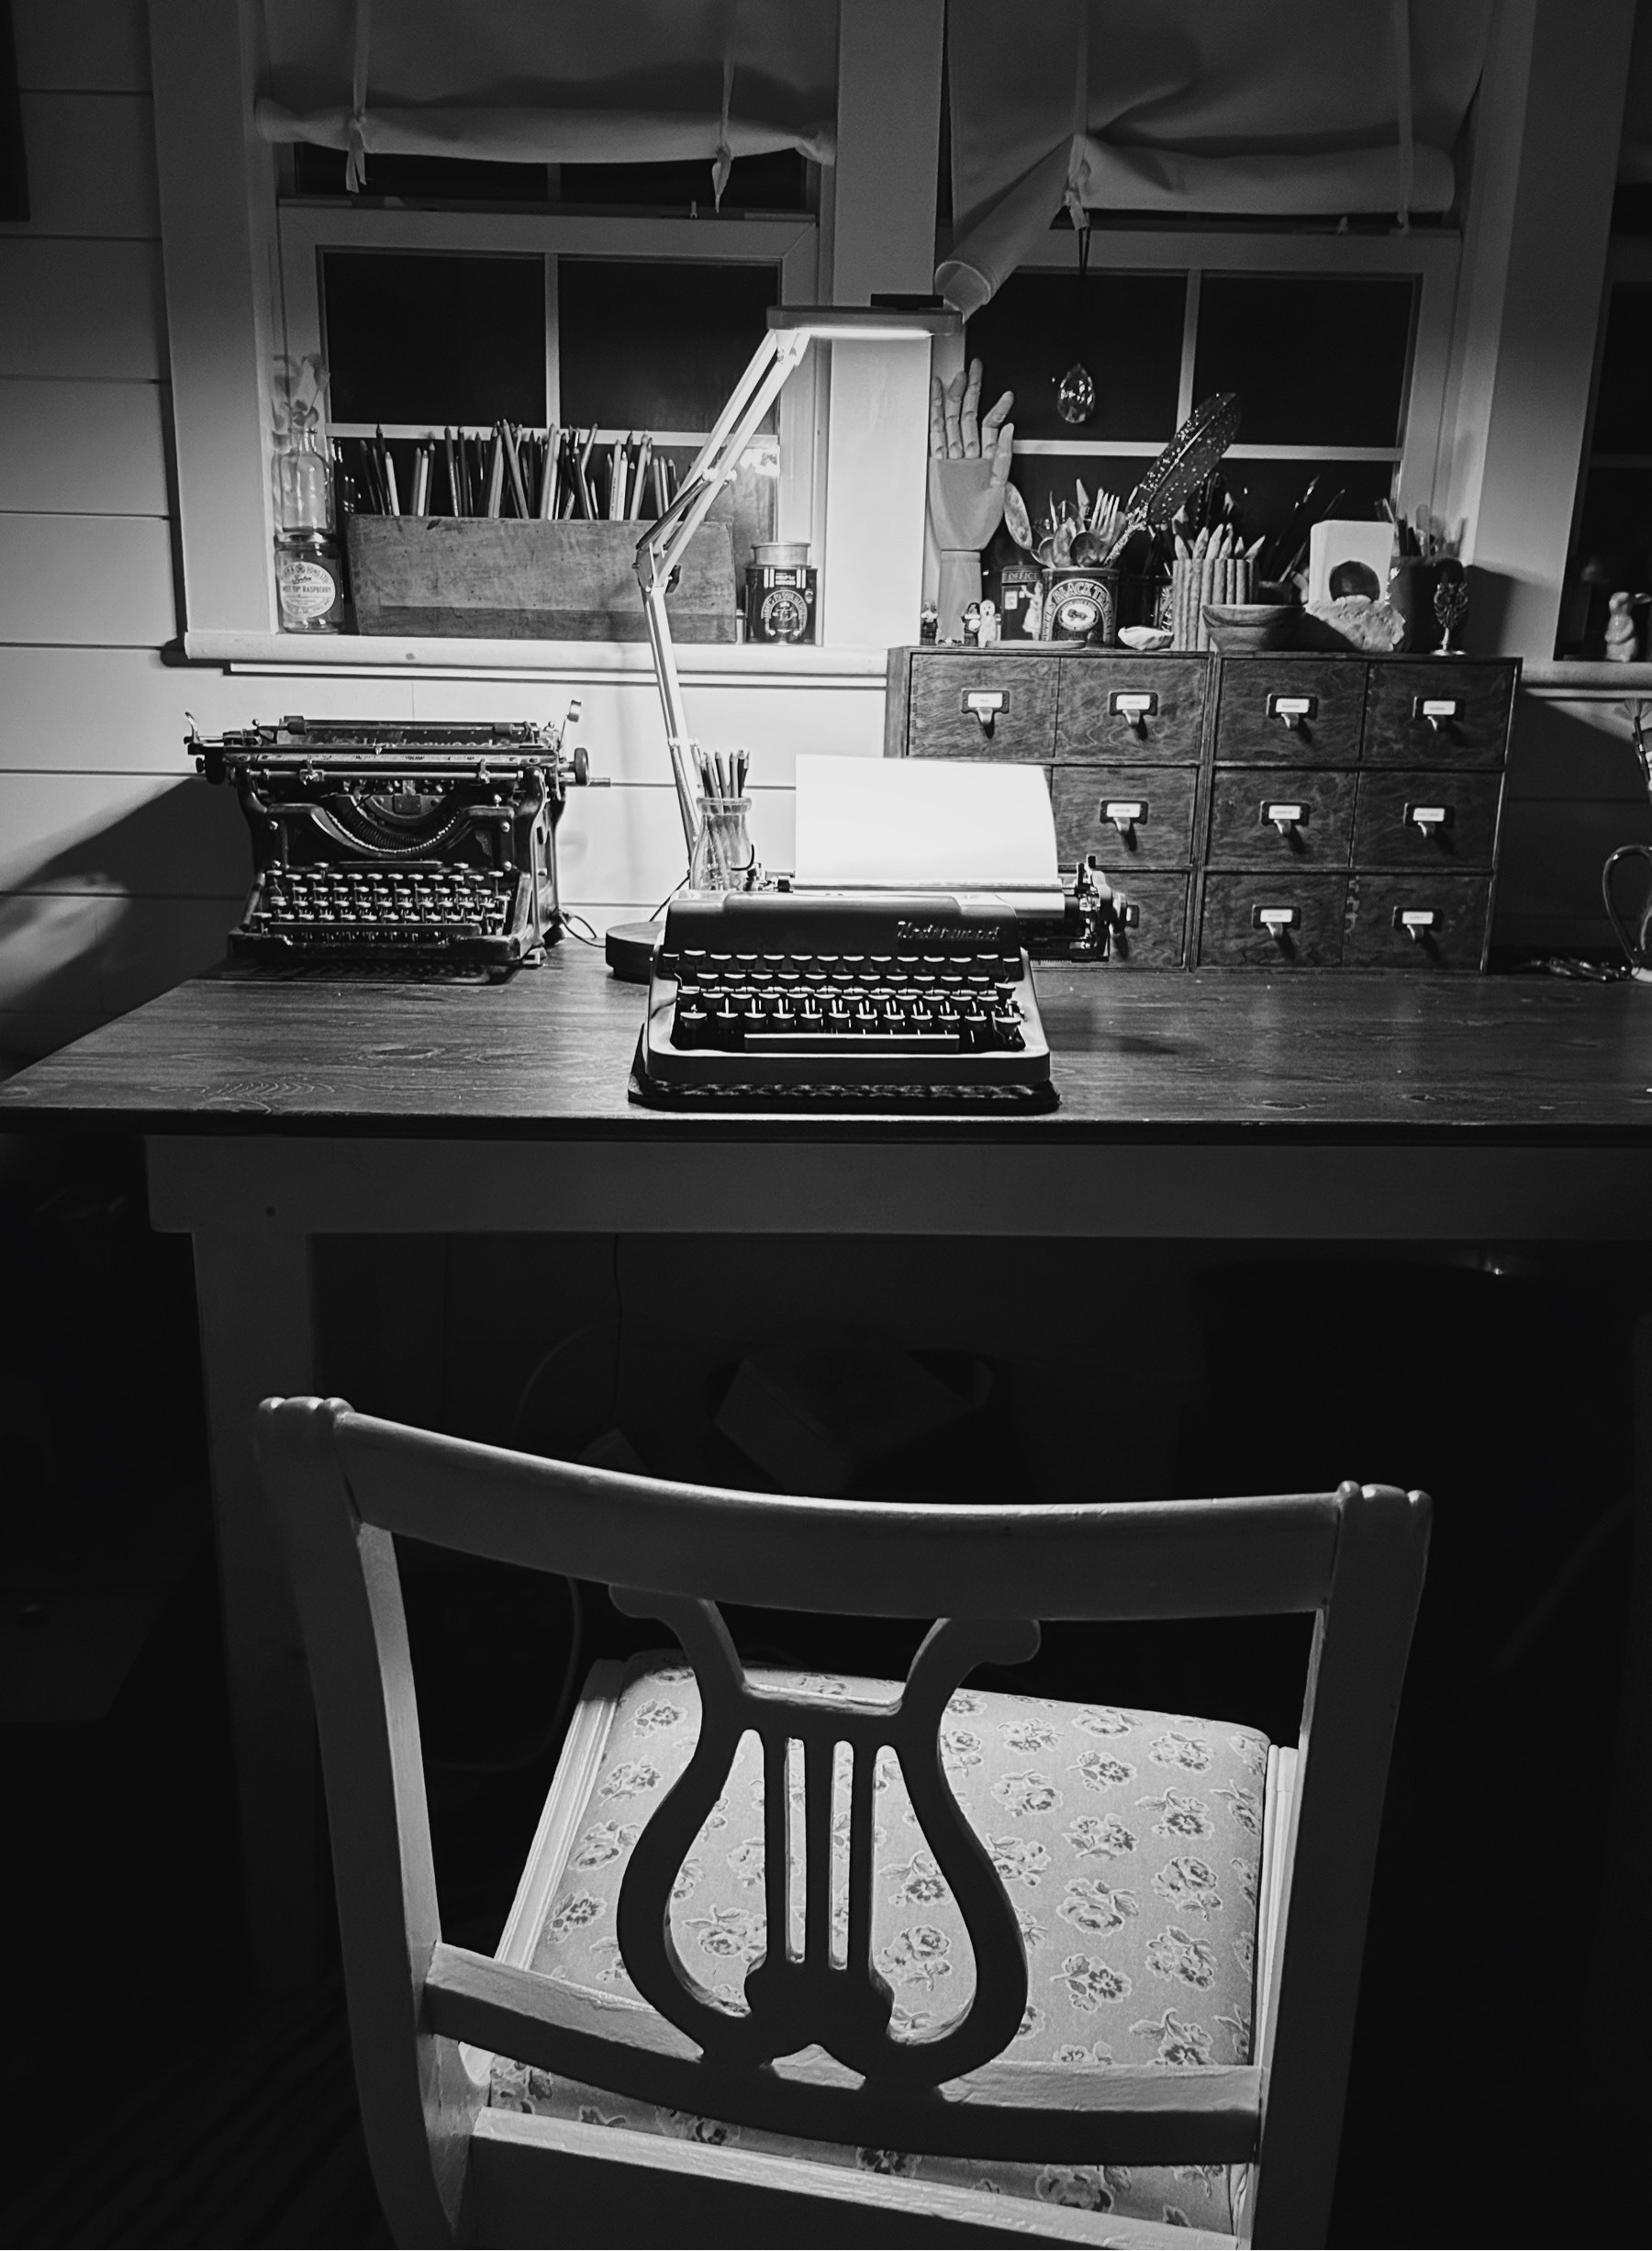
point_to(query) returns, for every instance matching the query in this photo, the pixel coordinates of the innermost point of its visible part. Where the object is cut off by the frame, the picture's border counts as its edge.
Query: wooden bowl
(1236, 627)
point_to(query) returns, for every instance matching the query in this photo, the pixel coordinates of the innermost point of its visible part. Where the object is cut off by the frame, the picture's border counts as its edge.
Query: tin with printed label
(781, 592)
(1081, 604)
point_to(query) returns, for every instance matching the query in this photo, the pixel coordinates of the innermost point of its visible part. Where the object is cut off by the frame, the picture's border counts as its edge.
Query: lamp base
(631, 949)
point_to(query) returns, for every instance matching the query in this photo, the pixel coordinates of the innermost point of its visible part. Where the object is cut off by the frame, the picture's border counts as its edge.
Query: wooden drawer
(1423, 819)
(1298, 710)
(1151, 931)
(1014, 696)
(1302, 929)
(1263, 819)
(1447, 914)
(1138, 709)
(1469, 724)
(1129, 816)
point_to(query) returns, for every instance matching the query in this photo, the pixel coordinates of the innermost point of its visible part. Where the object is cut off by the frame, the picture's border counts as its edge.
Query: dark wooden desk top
(1324, 1057)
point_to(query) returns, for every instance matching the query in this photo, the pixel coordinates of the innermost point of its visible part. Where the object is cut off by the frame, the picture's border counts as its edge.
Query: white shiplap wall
(120, 872)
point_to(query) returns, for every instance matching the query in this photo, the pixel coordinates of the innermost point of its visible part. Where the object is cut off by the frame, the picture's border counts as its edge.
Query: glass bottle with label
(309, 567)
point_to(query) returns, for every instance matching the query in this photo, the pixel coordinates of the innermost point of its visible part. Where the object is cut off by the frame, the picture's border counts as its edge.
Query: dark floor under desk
(151, 2099)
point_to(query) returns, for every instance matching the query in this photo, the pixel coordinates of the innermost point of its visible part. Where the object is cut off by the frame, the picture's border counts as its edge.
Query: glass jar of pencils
(723, 860)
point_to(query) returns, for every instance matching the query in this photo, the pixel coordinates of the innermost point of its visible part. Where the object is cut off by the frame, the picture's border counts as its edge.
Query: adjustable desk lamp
(791, 329)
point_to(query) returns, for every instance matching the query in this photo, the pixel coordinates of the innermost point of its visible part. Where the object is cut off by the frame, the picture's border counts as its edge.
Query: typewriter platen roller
(424, 846)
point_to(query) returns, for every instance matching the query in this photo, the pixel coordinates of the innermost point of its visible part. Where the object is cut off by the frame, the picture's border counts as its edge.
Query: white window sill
(329, 655)
(1558, 678)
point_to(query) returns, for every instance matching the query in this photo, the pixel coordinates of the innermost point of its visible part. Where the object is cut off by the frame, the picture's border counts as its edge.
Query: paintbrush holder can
(723, 860)
(1081, 605)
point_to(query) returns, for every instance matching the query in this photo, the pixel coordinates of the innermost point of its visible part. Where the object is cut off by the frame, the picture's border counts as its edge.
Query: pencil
(513, 468)
(495, 476)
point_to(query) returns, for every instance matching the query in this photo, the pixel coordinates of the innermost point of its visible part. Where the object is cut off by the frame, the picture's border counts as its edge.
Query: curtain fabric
(1258, 107)
(551, 80)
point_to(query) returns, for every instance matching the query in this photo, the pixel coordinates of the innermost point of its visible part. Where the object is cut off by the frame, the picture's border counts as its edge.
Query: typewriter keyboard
(408, 906)
(818, 1003)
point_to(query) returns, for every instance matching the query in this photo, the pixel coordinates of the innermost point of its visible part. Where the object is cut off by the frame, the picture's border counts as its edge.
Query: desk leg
(1614, 2074)
(253, 1292)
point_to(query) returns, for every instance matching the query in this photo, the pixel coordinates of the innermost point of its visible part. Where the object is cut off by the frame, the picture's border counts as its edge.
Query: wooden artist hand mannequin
(969, 466)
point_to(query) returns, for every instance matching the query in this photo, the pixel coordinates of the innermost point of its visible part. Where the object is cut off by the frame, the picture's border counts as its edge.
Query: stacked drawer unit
(1121, 740)
(1277, 811)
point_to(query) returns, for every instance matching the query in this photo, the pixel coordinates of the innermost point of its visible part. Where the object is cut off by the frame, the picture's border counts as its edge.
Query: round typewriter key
(1008, 1028)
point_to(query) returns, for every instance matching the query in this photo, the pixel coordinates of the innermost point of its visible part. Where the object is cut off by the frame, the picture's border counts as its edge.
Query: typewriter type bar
(421, 846)
(773, 996)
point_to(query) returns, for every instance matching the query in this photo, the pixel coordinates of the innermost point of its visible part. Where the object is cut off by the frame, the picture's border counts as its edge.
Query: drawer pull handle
(1285, 818)
(1438, 710)
(1416, 921)
(1293, 709)
(986, 703)
(1135, 707)
(1124, 812)
(1278, 920)
(1427, 818)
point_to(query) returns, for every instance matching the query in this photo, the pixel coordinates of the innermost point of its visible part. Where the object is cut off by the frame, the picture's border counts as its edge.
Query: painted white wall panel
(82, 449)
(106, 580)
(124, 712)
(120, 835)
(80, 308)
(91, 165)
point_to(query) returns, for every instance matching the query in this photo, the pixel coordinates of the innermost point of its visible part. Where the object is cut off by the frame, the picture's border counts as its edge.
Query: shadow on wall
(117, 914)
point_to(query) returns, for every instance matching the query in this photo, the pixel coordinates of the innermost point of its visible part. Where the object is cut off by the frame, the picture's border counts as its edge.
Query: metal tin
(1081, 604)
(1019, 608)
(780, 603)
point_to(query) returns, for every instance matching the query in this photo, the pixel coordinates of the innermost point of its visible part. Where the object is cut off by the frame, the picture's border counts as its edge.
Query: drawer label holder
(1293, 710)
(1287, 816)
(1135, 707)
(1427, 819)
(983, 704)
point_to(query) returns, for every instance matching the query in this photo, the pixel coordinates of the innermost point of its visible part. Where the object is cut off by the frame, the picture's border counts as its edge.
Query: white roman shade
(1265, 109)
(551, 80)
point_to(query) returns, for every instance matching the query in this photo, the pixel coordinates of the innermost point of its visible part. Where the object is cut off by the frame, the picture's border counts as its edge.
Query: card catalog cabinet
(1269, 812)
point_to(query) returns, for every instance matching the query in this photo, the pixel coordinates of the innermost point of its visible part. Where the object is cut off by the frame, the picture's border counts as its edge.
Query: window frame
(307, 227)
(1431, 255)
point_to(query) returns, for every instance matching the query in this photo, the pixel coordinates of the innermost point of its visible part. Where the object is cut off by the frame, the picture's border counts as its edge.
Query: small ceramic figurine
(929, 622)
(986, 631)
(1619, 630)
(972, 624)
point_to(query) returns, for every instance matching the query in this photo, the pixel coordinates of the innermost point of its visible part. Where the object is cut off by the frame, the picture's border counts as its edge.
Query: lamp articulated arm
(791, 329)
(665, 543)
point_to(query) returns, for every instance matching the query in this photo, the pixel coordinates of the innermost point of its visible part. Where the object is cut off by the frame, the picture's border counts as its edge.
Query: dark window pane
(1265, 492)
(1621, 421)
(415, 337)
(776, 182)
(1612, 554)
(653, 346)
(1315, 361)
(421, 179)
(1127, 329)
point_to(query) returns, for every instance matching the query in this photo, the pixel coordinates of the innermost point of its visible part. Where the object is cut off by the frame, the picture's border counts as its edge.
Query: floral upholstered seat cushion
(1130, 1841)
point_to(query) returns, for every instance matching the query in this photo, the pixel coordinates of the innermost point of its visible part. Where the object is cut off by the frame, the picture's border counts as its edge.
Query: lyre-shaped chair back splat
(797, 2000)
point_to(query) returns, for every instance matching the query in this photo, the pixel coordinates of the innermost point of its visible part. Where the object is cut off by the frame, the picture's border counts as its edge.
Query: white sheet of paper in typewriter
(978, 830)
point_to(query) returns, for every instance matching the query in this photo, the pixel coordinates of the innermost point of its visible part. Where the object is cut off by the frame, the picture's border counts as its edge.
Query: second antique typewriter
(427, 848)
(764, 1001)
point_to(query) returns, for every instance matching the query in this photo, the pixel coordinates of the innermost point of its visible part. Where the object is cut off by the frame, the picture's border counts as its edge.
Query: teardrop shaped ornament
(1076, 394)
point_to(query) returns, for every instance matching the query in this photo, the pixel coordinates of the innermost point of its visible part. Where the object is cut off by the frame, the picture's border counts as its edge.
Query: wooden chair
(817, 2058)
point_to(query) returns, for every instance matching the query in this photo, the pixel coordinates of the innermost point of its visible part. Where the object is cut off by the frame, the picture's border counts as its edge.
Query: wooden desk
(1331, 1107)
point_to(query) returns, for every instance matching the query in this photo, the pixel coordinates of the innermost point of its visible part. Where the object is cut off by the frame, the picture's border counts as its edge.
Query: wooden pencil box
(501, 578)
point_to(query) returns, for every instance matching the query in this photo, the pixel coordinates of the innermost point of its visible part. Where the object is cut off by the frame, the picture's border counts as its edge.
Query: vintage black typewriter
(420, 845)
(766, 1000)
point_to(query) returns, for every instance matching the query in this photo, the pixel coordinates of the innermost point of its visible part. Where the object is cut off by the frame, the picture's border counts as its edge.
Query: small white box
(1348, 540)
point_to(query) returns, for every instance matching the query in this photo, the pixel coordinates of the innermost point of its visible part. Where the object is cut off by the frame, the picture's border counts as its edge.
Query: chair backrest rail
(1100, 1560)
